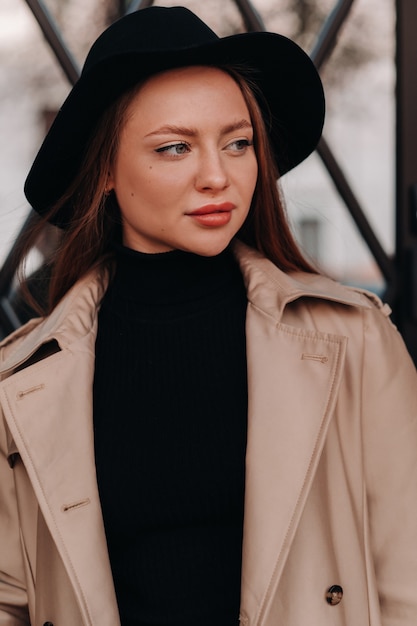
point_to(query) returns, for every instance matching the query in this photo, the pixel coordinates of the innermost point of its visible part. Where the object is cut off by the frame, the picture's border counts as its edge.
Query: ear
(109, 182)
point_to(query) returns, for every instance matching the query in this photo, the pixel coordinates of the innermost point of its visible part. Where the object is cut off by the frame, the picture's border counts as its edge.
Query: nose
(212, 173)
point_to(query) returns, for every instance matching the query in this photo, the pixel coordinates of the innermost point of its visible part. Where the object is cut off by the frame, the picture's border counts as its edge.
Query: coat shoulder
(273, 290)
(73, 318)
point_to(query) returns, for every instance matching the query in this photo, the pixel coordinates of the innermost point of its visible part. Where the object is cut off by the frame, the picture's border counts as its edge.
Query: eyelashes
(181, 148)
(240, 145)
(175, 149)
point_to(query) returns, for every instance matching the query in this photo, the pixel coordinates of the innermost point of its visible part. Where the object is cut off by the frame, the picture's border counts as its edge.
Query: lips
(208, 209)
(213, 215)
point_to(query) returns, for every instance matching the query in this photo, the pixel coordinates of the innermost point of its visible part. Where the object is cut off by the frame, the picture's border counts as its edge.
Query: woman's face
(185, 171)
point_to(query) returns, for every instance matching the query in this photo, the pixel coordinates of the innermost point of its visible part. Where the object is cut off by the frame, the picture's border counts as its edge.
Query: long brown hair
(267, 226)
(86, 242)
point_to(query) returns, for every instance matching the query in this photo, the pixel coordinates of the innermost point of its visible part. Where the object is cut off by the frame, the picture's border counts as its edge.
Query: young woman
(200, 429)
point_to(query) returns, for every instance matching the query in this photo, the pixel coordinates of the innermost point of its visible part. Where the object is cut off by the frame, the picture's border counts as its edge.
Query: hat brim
(283, 72)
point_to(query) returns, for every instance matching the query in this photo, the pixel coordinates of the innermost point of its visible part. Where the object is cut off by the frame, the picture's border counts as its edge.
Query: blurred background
(351, 203)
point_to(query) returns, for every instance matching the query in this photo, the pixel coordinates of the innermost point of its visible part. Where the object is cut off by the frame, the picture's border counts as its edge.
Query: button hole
(26, 392)
(75, 505)
(315, 357)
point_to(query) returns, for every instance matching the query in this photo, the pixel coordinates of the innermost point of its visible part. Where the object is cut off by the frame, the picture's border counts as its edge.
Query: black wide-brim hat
(158, 38)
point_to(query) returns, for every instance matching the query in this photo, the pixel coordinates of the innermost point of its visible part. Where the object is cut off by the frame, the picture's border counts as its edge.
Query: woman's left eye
(239, 145)
(174, 149)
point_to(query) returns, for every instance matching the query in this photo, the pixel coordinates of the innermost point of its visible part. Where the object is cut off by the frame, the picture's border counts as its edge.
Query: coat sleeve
(390, 460)
(13, 597)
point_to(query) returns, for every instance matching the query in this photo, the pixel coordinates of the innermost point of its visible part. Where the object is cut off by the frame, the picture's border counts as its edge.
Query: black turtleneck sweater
(170, 407)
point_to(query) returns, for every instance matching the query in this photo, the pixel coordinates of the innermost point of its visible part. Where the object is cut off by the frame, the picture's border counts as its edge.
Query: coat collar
(272, 290)
(289, 368)
(268, 288)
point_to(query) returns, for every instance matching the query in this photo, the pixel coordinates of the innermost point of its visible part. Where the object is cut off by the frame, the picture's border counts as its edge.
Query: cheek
(136, 183)
(157, 180)
(251, 176)
(150, 191)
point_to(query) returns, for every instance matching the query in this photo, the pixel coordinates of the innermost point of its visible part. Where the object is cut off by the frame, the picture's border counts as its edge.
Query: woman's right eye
(175, 149)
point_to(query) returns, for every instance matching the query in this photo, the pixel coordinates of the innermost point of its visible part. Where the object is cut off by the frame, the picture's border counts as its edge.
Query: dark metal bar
(136, 5)
(385, 264)
(327, 37)
(8, 267)
(324, 46)
(252, 19)
(9, 321)
(54, 39)
(406, 171)
(8, 318)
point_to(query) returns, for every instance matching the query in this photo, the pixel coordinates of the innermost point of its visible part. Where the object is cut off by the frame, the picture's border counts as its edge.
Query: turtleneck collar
(171, 277)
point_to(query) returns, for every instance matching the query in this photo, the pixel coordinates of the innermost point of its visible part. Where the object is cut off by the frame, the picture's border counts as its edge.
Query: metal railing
(324, 45)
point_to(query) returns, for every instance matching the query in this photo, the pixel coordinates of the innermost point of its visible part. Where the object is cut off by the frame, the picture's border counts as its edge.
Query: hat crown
(177, 27)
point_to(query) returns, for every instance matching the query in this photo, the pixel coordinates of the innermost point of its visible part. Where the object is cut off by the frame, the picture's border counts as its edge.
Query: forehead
(191, 75)
(189, 90)
(188, 74)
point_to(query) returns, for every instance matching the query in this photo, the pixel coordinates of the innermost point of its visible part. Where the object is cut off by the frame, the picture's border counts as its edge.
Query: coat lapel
(293, 376)
(59, 460)
(48, 408)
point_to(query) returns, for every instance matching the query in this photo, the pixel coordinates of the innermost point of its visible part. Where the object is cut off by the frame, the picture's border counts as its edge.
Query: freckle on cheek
(132, 194)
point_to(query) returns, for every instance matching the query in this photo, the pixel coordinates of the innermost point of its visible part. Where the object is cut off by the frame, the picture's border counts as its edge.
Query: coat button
(334, 595)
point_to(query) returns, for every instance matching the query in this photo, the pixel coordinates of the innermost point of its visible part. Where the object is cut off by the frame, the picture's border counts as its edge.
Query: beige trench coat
(331, 496)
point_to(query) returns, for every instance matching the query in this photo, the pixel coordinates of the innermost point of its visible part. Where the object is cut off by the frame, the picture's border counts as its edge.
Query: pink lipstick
(213, 214)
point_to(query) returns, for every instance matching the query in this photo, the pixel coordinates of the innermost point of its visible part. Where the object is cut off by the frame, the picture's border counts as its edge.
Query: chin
(209, 246)
(209, 250)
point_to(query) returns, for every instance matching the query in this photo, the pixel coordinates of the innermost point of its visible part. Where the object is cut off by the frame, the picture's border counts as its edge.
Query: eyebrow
(191, 132)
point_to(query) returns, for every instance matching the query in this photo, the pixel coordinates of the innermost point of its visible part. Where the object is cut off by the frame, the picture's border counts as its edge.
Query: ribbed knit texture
(170, 406)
